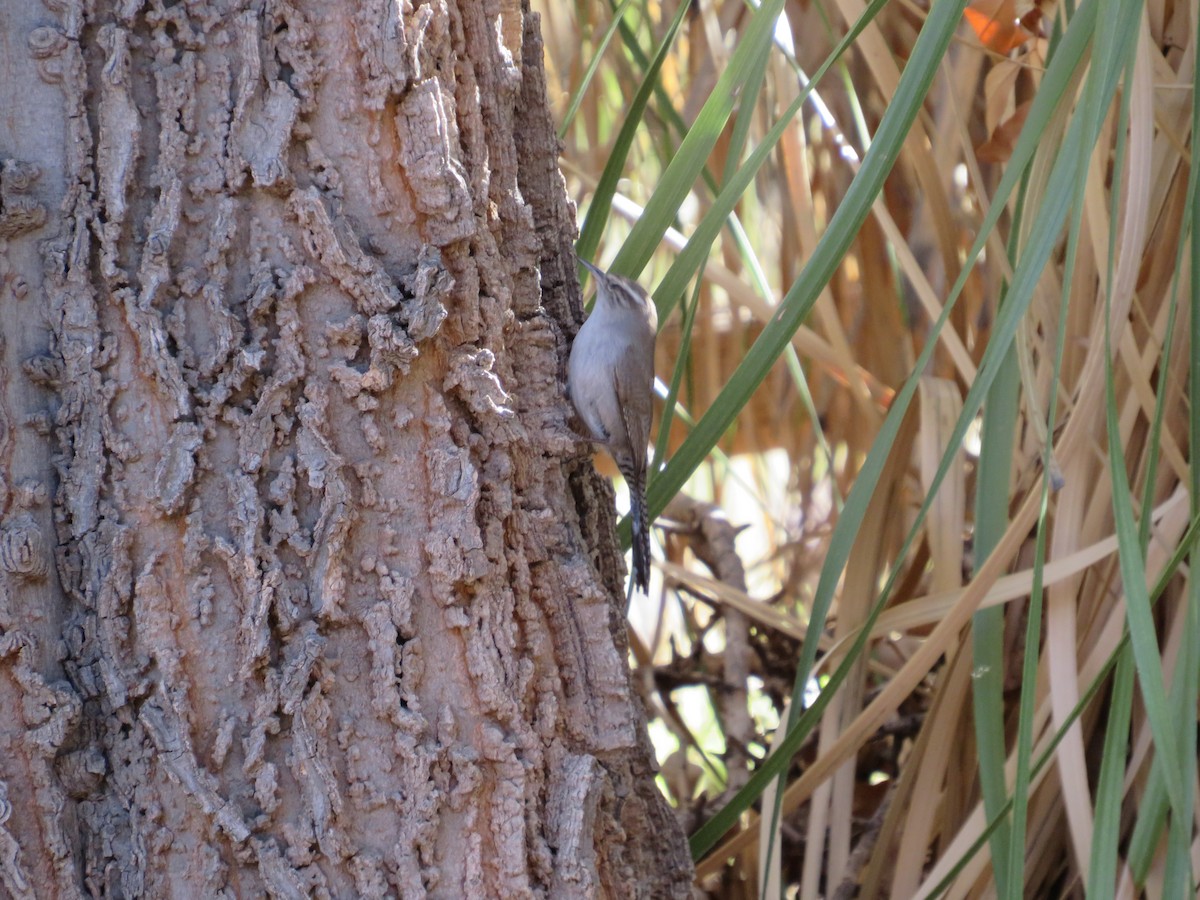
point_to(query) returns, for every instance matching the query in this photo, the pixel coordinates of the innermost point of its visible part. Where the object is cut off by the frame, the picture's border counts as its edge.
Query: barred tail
(641, 533)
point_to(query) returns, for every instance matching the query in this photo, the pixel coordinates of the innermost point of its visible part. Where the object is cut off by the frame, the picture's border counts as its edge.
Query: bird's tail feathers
(641, 533)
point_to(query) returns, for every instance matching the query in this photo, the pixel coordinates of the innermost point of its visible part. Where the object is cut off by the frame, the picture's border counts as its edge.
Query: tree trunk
(305, 587)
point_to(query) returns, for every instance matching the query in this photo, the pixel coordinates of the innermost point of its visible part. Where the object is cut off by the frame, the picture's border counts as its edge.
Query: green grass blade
(1015, 876)
(1178, 878)
(1137, 608)
(1147, 831)
(987, 627)
(1102, 867)
(992, 488)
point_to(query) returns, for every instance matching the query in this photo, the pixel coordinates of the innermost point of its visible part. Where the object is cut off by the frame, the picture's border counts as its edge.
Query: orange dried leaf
(997, 24)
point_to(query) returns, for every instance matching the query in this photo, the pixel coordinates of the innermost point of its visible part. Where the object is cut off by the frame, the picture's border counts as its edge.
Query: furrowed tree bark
(305, 587)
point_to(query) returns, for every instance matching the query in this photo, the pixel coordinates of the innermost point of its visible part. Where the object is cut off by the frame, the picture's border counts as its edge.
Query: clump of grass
(928, 280)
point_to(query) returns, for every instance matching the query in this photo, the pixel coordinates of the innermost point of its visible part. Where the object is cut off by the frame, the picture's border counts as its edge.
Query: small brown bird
(610, 377)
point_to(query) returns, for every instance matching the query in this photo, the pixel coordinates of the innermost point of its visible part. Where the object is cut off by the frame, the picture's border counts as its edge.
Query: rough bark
(305, 587)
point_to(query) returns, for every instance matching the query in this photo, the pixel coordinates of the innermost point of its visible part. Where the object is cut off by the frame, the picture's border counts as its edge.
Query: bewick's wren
(610, 377)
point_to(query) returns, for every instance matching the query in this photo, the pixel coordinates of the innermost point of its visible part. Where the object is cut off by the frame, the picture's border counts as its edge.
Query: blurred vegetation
(929, 287)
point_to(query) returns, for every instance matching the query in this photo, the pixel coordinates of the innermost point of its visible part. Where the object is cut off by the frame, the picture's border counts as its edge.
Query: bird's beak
(593, 269)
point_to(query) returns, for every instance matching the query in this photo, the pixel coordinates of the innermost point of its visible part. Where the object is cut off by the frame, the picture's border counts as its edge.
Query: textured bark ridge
(334, 609)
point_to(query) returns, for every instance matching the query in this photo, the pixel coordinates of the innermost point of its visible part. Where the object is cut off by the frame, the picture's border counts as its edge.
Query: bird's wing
(633, 380)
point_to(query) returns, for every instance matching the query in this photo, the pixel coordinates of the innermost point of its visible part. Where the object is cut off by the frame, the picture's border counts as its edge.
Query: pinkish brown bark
(305, 590)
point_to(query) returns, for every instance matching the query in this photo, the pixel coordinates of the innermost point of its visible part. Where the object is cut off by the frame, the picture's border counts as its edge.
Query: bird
(610, 379)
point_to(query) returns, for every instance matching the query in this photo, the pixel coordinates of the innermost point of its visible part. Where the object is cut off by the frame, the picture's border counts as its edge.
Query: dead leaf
(999, 147)
(997, 24)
